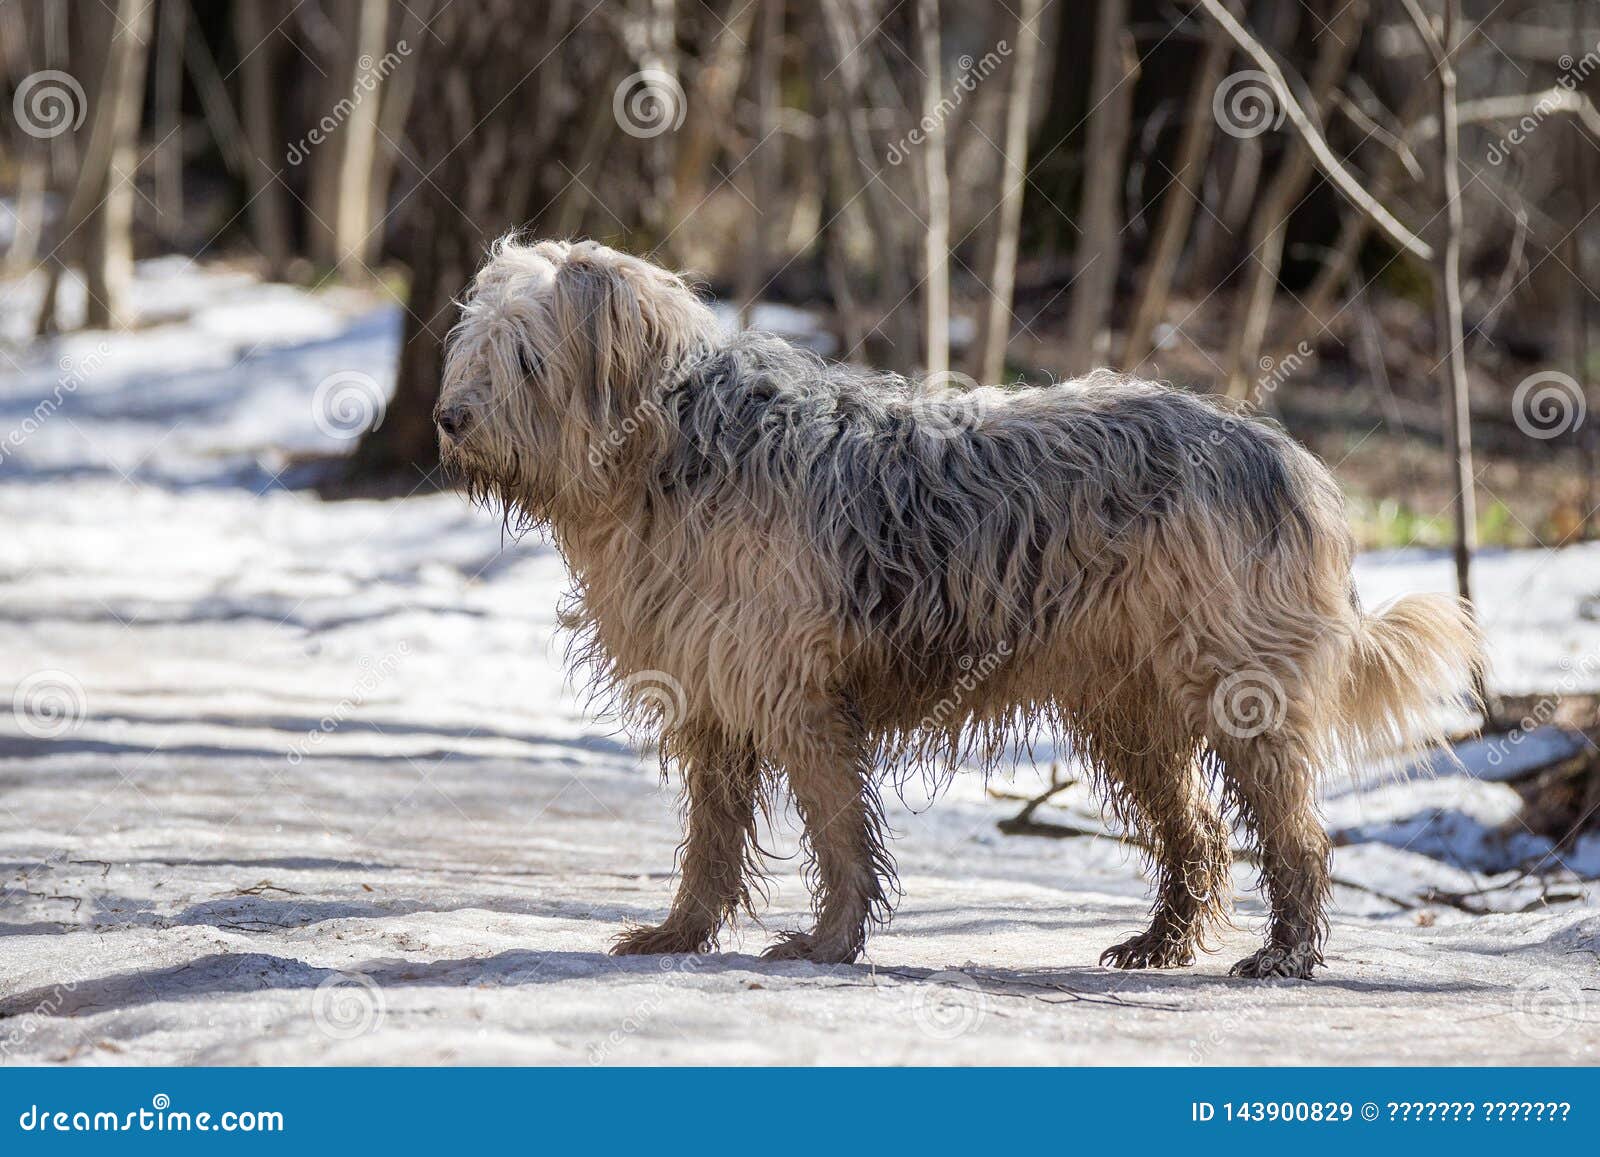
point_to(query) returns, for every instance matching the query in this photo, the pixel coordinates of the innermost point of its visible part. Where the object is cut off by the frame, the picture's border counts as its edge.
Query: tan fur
(807, 575)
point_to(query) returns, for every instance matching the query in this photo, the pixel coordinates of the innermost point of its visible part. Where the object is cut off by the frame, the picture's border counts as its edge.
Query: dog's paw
(1293, 963)
(659, 940)
(1149, 950)
(805, 946)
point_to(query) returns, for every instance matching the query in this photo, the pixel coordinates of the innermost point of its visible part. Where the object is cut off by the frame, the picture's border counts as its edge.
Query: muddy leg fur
(1270, 779)
(1156, 788)
(722, 781)
(851, 871)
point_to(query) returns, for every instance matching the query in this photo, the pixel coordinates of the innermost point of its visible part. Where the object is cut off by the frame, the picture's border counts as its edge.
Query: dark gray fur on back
(924, 500)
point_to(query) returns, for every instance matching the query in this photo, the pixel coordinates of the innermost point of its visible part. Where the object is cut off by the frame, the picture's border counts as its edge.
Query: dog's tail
(1408, 660)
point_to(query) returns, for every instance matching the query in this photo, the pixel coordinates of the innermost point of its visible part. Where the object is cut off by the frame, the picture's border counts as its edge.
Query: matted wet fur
(806, 574)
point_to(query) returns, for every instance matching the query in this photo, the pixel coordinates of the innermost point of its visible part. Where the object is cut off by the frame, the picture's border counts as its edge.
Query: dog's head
(552, 376)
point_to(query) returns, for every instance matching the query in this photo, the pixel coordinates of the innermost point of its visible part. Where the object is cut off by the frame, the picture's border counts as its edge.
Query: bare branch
(1332, 168)
(1516, 106)
(1013, 174)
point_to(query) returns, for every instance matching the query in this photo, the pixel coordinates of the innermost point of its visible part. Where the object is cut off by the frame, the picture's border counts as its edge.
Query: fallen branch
(1057, 786)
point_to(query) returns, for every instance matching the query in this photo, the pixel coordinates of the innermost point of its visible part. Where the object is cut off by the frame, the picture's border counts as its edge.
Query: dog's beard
(495, 488)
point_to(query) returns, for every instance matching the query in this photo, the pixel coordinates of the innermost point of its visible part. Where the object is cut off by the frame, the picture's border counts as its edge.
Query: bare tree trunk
(32, 181)
(1099, 248)
(335, 51)
(711, 106)
(1452, 332)
(1466, 503)
(836, 208)
(269, 219)
(174, 16)
(1452, 338)
(1581, 360)
(1288, 184)
(848, 44)
(1178, 202)
(23, 49)
(936, 185)
(399, 88)
(991, 362)
(662, 31)
(1590, 438)
(99, 216)
(578, 197)
(108, 252)
(846, 314)
(221, 116)
(768, 156)
(352, 225)
(649, 35)
(341, 166)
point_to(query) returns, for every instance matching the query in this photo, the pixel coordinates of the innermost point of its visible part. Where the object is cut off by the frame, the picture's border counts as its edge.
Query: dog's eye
(528, 362)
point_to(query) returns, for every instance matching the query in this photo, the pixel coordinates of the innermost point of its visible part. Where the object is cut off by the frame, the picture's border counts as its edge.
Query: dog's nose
(452, 420)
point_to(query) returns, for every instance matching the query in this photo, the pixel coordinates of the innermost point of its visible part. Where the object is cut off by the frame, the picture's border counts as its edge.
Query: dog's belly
(941, 691)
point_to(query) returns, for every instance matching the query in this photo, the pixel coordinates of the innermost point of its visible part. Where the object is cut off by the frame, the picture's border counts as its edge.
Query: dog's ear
(603, 323)
(623, 324)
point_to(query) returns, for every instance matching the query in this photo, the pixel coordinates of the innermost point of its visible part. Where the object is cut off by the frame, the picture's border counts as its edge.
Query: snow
(323, 792)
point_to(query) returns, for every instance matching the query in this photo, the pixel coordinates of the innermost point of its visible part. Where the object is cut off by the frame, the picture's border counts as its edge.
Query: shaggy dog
(806, 572)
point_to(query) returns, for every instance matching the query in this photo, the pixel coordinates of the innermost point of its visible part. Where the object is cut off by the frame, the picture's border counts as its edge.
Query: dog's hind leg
(722, 781)
(1270, 778)
(851, 869)
(1188, 848)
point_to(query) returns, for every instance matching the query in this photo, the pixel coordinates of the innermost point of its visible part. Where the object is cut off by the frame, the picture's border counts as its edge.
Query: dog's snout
(452, 420)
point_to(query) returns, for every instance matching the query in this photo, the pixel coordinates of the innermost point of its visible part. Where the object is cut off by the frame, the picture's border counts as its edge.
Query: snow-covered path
(289, 781)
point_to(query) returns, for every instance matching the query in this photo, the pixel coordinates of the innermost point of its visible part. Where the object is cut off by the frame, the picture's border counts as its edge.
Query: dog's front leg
(721, 784)
(838, 802)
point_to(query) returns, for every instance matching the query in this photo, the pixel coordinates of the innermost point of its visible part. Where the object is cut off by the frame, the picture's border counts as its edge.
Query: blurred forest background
(1370, 218)
(232, 237)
